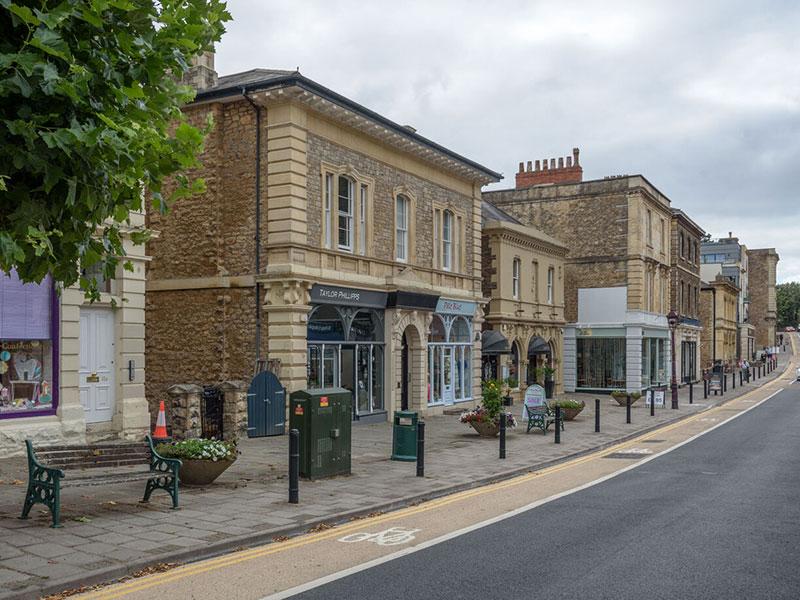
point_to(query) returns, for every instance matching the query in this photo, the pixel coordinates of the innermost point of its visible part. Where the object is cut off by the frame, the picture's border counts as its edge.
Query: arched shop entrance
(493, 345)
(346, 349)
(449, 360)
(540, 353)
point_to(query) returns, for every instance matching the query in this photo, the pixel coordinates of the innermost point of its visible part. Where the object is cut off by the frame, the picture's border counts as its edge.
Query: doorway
(96, 369)
(362, 375)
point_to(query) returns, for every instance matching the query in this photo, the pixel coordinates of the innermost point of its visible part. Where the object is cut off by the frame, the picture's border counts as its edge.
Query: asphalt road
(716, 518)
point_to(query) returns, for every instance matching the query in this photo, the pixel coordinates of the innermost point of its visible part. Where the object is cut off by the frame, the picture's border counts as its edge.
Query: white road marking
(394, 536)
(299, 589)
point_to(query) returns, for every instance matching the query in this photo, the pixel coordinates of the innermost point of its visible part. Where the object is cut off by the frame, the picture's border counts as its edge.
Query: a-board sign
(534, 395)
(715, 383)
(658, 395)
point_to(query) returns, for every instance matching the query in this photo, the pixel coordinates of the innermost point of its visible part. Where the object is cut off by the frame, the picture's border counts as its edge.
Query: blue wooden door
(266, 406)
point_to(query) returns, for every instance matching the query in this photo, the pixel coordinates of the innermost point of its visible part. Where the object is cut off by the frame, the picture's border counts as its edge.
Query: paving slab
(248, 504)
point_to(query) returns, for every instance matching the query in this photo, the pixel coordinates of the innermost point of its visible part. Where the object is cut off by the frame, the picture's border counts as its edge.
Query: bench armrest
(159, 463)
(39, 472)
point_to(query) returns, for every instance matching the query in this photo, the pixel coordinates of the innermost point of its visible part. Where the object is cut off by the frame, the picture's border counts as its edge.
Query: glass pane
(362, 379)
(459, 374)
(467, 371)
(330, 372)
(344, 231)
(437, 373)
(25, 375)
(366, 327)
(325, 324)
(447, 372)
(436, 333)
(459, 331)
(377, 378)
(314, 367)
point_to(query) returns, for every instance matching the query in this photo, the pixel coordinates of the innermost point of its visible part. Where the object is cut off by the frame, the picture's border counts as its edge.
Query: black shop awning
(494, 342)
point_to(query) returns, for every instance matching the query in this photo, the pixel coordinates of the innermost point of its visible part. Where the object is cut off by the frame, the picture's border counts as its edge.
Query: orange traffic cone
(160, 432)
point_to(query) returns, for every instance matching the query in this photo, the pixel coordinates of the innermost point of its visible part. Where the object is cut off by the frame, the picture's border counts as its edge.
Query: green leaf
(133, 92)
(24, 13)
(51, 42)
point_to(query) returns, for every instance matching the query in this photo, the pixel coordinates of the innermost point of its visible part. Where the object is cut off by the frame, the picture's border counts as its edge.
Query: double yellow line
(119, 590)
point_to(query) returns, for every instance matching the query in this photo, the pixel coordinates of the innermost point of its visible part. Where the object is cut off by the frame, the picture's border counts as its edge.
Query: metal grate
(211, 412)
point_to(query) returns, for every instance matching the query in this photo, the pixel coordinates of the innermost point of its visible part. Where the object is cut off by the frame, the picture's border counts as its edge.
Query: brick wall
(762, 265)
(550, 171)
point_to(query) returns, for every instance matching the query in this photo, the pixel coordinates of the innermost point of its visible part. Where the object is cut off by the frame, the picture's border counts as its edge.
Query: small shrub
(566, 404)
(199, 449)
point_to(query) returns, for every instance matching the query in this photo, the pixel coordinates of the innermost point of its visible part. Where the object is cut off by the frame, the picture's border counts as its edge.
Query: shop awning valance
(494, 342)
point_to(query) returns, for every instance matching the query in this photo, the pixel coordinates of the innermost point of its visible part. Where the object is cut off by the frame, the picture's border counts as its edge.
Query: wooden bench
(115, 463)
(541, 416)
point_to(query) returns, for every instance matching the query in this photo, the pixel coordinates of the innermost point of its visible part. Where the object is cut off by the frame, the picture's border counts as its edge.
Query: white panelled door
(96, 371)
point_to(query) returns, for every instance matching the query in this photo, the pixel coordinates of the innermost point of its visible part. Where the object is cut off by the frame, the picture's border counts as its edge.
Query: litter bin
(404, 435)
(324, 419)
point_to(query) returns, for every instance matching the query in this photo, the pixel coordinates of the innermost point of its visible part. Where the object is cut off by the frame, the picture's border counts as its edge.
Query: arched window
(459, 331)
(437, 333)
(325, 324)
(366, 327)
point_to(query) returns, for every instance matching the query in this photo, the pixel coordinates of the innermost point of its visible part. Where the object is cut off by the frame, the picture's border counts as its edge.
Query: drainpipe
(257, 108)
(714, 324)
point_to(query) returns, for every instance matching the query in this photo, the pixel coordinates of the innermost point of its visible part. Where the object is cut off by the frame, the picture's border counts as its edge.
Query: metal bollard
(705, 388)
(740, 378)
(724, 382)
(597, 415)
(294, 466)
(420, 448)
(503, 434)
(652, 405)
(628, 409)
(691, 392)
(733, 380)
(558, 424)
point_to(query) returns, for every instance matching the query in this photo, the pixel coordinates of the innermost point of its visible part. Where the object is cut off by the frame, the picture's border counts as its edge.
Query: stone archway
(539, 352)
(411, 373)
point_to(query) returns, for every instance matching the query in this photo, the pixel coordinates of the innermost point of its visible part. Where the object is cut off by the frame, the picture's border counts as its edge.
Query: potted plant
(549, 382)
(569, 408)
(485, 419)
(511, 384)
(203, 460)
(621, 396)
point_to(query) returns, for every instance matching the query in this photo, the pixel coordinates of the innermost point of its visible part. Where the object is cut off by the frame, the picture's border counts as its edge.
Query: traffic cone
(160, 432)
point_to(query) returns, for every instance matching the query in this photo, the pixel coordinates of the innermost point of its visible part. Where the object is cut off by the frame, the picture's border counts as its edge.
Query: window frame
(448, 222)
(401, 227)
(348, 216)
(516, 267)
(551, 276)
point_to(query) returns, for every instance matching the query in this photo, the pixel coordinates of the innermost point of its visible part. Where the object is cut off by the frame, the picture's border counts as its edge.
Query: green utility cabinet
(324, 419)
(404, 435)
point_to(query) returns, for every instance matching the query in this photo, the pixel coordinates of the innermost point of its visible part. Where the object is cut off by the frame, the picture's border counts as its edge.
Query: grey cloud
(703, 98)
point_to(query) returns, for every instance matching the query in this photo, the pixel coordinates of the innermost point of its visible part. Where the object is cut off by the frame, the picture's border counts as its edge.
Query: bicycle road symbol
(393, 536)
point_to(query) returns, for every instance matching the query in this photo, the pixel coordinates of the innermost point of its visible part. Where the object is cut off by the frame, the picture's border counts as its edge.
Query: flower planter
(486, 428)
(202, 472)
(622, 400)
(570, 413)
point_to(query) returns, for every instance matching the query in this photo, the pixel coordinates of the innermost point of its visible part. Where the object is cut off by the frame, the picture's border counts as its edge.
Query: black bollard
(724, 382)
(691, 392)
(705, 388)
(740, 378)
(652, 405)
(558, 424)
(733, 380)
(503, 434)
(628, 409)
(420, 448)
(294, 466)
(597, 415)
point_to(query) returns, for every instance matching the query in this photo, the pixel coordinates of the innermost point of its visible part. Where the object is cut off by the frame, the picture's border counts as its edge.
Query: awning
(538, 346)
(494, 342)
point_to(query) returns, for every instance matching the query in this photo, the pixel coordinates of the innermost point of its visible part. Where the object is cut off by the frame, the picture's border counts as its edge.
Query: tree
(90, 118)
(788, 301)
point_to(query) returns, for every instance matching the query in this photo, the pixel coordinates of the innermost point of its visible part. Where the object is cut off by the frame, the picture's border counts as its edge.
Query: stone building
(72, 372)
(685, 286)
(763, 308)
(339, 247)
(727, 257)
(719, 300)
(617, 270)
(523, 277)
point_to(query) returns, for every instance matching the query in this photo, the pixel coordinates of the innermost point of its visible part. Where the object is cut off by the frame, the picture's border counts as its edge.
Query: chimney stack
(567, 171)
(201, 74)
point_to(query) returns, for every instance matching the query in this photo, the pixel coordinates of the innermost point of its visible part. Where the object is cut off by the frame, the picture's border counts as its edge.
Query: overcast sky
(701, 97)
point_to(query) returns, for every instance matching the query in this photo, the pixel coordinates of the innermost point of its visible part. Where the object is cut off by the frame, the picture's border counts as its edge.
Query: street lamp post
(672, 319)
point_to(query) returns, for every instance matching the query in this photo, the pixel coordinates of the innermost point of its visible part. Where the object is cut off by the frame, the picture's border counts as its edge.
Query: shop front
(601, 359)
(28, 348)
(450, 349)
(346, 346)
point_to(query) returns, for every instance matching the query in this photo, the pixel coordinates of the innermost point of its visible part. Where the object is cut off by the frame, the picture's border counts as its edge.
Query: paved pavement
(714, 519)
(108, 534)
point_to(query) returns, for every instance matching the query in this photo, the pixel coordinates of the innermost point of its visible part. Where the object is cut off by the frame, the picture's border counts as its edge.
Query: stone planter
(202, 472)
(570, 413)
(622, 400)
(486, 428)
